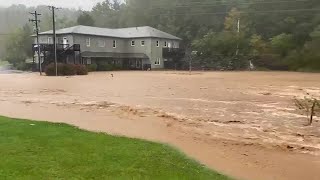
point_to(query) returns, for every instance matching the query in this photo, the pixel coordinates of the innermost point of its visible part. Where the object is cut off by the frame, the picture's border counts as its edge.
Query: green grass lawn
(41, 150)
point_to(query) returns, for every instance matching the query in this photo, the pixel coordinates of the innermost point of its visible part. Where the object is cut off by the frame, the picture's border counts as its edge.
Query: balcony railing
(173, 53)
(60, 47)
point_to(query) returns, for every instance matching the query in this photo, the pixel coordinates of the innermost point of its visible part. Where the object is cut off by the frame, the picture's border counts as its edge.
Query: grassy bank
(40, 150)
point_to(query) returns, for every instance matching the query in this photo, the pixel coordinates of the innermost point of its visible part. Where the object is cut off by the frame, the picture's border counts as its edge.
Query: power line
(226, 4)
(218, 1)
(254, 12)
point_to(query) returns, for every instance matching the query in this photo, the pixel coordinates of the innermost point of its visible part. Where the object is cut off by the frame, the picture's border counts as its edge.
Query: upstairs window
(142, 43)
(88, 43)
(157, 43)
(133, 43)
(114, 44)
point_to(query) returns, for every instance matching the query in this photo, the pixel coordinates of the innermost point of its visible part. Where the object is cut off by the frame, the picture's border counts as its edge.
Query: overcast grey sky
(83, 4)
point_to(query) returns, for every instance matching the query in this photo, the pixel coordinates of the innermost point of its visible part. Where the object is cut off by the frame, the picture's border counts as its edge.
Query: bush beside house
(66, 69)
(92, 67)
(105, 66)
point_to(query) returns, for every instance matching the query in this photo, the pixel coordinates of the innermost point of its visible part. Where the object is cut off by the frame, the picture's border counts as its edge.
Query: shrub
(66, 70)
(105, 66)
(81, 69)
(22, 66)
(50, 70)
(92, 67)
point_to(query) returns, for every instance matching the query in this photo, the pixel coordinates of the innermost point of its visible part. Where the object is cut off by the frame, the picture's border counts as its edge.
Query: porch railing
(60, 47)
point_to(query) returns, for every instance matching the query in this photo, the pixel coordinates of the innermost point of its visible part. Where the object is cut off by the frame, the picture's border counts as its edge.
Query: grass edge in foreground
(37, 150)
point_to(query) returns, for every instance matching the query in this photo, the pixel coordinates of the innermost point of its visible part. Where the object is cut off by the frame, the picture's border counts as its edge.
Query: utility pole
(52, 8)
(36, 22)
(238, 26)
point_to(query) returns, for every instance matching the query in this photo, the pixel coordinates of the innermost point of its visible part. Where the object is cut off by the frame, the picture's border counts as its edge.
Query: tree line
(224, 34)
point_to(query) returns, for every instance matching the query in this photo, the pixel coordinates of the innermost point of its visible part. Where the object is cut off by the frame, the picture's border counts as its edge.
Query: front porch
(124, 61)
(68, 54)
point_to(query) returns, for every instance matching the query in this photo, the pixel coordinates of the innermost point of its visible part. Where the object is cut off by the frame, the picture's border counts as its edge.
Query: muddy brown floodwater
(243, 124)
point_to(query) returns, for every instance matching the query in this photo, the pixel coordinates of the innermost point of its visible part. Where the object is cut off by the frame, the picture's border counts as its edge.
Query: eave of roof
(125, 33)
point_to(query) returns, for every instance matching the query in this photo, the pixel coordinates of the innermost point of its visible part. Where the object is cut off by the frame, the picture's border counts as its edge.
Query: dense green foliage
(40, 150)
(273, 34)
(16, 16)
(85, 19)
(66, 69)
(18, 47)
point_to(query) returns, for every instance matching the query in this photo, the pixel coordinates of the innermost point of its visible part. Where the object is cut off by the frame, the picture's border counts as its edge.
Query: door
(138, 63)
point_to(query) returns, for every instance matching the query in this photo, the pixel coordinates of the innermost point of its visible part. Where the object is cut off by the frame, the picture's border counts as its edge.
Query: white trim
(133, 43)
(88, 42)
(114, 43)
(144, 43)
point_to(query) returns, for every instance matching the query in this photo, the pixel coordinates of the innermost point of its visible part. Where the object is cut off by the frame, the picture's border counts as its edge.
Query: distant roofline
(73, 28)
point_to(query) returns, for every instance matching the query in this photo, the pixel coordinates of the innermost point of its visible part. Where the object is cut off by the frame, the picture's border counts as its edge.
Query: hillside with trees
(14, 19)
(273, 34)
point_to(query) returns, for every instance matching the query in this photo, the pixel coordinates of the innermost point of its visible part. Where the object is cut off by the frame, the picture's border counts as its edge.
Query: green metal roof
(132, 32)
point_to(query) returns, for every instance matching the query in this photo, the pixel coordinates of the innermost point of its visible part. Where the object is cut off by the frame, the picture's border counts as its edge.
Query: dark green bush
(105, 67)
(66, 70)
(92, 67)
(22, 66)
(117, 67)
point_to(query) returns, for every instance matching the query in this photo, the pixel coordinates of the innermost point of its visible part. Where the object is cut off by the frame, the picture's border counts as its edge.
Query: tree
(282, 43)
(18, 47)
(85, 19)
(258, 45)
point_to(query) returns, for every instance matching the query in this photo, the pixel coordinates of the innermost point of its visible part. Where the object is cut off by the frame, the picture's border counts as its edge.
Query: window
(50, 40)
(133, 43)
(101, 43)
(165, 44)
(142, 43)
(114, 44)
(169, 45)
(173, 45)
(88, 42)
(157, 62)
(157, 43)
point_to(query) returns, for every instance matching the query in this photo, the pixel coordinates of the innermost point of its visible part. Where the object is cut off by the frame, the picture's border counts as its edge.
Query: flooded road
(244, 124)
